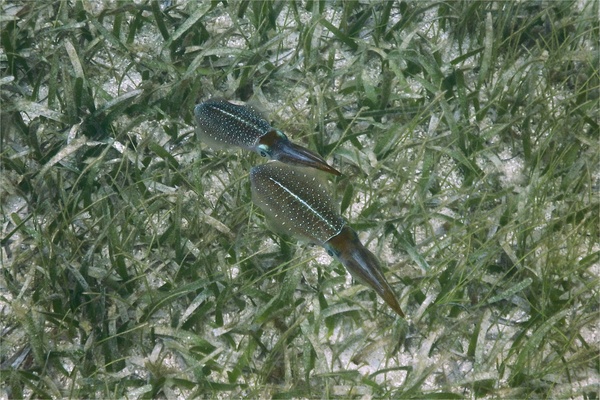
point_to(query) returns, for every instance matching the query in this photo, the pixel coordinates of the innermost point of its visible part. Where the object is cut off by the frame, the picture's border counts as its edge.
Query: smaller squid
(222, 124)
(297, 203)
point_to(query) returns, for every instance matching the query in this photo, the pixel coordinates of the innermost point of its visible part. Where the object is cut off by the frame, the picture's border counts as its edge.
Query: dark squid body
(297, 203)
(223, 124)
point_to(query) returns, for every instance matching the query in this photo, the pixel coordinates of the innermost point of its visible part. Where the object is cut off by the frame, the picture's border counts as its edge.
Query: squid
(222, 124)
(296, 202)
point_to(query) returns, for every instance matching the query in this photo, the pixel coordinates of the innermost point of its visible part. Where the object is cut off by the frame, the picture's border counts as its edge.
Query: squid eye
(263, 150)
(330, 253)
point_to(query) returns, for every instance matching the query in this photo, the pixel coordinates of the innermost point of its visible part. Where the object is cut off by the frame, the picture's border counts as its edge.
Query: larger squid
(297, 203)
